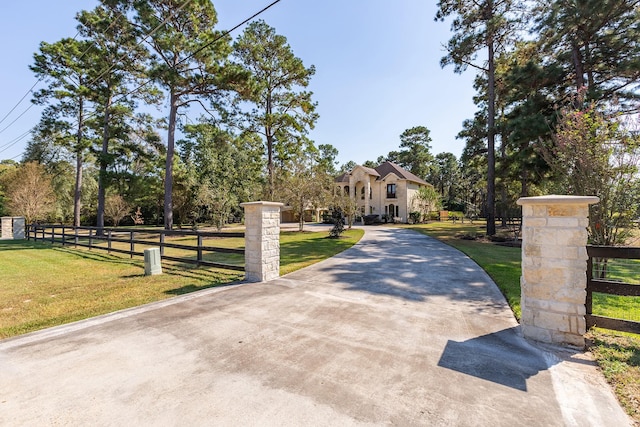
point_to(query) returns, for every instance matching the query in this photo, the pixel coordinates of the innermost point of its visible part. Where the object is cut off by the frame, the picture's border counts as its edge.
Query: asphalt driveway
(398, 330)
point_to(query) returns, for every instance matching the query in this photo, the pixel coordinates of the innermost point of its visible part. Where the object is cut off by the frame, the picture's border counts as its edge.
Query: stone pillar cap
(554, 199)
(262, 203)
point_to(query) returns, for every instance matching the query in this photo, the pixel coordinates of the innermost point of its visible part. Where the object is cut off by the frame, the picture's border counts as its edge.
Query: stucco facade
(386, 190)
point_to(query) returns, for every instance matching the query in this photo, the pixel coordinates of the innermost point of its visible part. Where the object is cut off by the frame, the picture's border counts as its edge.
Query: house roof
(389, 167)
(382, 171)
(343, 177)
(370, 171)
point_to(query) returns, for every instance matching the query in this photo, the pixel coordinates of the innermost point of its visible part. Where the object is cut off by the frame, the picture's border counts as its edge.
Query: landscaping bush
(337, 230)
(371, 219)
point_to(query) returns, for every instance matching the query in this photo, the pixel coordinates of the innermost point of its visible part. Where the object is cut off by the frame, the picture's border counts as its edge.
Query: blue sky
(377, 68)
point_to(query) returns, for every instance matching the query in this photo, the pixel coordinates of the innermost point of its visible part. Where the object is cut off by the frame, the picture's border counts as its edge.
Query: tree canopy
(557, 85)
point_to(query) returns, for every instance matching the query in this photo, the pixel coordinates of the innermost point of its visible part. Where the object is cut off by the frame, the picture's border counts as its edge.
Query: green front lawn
(43, 285)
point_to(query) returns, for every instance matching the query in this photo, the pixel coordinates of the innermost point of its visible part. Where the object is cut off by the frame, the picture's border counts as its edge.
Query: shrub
(337, 229)
(371, 219)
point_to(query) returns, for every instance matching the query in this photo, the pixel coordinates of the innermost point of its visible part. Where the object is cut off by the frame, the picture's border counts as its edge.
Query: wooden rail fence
(599, 256)
(92, 237)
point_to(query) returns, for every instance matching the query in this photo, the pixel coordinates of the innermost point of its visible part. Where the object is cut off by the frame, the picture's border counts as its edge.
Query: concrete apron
(398, 330)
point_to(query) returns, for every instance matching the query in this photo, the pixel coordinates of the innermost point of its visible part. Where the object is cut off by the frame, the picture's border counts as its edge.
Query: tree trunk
(269, 136)
(168, 176)
(301, 219)
(270, 168)
(491, 154)
(578, 67)
(524, 182)
(77, 195)
(102, 175)
(503, 160)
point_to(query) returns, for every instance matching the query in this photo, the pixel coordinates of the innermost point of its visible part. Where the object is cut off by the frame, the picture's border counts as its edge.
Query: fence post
(554, 264)
(262, 240)
(132, 245)
(109, 241)
(199, 248)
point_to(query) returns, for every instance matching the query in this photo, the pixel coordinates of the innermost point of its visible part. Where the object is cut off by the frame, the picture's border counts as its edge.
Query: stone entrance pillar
(18, 228)
(262, 240)
(6, 227)
(12, 227)
(554, 264)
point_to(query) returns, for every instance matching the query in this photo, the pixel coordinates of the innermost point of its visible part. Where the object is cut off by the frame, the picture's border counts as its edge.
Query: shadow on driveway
(398, 330)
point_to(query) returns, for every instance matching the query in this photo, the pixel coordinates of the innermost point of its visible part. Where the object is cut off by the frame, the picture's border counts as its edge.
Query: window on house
(362, 193)
(346, 190)
(391, 191)
(370, 193)
(397, 210)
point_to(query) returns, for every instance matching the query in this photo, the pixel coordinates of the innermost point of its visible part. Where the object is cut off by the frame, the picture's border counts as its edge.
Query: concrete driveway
(398, 330)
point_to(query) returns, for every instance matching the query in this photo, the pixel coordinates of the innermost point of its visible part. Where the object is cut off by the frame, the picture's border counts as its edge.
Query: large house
(385, 190)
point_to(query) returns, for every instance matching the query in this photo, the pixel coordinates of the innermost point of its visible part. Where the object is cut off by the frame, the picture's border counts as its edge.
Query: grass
(44, 285)
(299, 250)
(617, 354)
(619, 359)
(618, 307)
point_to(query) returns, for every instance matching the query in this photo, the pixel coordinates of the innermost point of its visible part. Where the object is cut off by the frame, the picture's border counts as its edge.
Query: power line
(16, 119)
(224, 34)
(30, 90)
(227, 32)
(15, 141)
(99, 76)
(21, 99)
(142, 40)
(27, 93)
(80, 57)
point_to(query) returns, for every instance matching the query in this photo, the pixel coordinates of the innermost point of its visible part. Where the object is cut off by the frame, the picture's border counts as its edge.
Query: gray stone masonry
(12, 227)
(554, 264)
(18, 228)
(262, 240)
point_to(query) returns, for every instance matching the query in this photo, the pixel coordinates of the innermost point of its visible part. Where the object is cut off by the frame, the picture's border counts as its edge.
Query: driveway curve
(398, 330)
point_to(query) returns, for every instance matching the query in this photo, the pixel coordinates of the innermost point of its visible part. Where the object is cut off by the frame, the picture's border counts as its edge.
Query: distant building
(386, 190)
